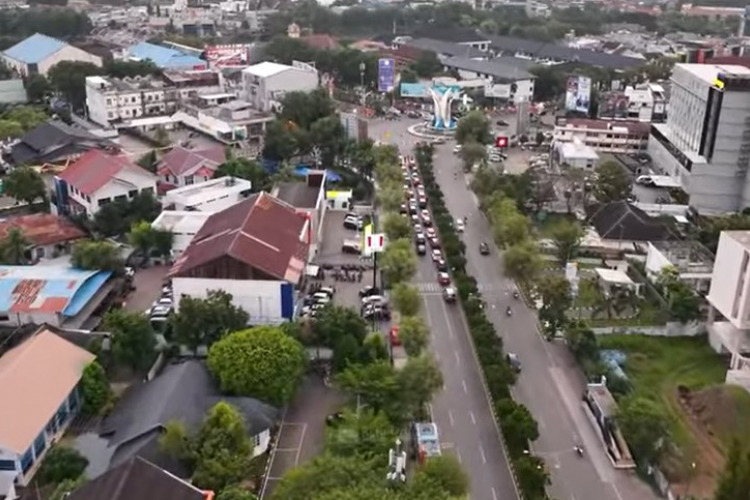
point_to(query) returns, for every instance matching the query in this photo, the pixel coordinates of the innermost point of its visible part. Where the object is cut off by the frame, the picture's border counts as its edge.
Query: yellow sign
(718, 84)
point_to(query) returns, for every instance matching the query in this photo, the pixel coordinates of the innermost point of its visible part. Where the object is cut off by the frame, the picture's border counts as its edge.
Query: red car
(430, 232)
(444, 279)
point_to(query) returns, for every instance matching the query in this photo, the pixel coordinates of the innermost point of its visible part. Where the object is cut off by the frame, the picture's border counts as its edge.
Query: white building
(502, 79)
(577, 155)
(39, 53)
(643, 103)
(210, 196)
(265, 84)
(603, 136)
(183, 225)
(705, 143)
(692, 261)
(97, 179)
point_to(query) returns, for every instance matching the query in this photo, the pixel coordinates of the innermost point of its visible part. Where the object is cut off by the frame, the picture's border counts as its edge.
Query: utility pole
(396, 463)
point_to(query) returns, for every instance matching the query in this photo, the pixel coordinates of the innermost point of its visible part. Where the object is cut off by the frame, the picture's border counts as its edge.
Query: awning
(312, 270)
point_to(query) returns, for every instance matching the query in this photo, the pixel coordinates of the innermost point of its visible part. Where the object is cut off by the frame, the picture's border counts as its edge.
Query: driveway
(148, 284)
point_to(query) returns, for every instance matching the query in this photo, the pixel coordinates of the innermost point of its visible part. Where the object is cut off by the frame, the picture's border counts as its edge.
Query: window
(189, 179)
(257, 440)
(7, 465)
(132, 193)
(104, 201)
(121, 197)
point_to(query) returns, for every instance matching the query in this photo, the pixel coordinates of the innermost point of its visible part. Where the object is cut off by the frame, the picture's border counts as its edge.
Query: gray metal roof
(498, 70)
(445, 48)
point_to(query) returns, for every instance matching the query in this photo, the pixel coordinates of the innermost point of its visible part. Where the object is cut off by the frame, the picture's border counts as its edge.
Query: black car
(484, 248)
(369, 291)
(376, 312)
(421, 249)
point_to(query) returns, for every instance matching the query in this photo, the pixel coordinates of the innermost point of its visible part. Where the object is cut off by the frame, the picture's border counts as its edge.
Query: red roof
(263, 232)
(95, 169)
(321, 41)
(42, 229)
(183, 161)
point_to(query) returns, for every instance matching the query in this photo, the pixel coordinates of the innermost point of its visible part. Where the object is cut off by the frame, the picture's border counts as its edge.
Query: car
(426, 221)
(645, 180)
(430, 232)
(129, 272)
(377, 313)
(441, 266)
(413, 209)
(353, 225)
(459, 225)
(502, 123)
(444, 279)
(435, 242)
(422, 202)
(419, 238)
(330, 291)
(374, 299)
(160, 311)
(421, 249)
(449, 294)
(415, 219)
(334, 418)
(320, 298)
(457, 148)
(484, 248)
(495, 158)
(351, 247)
(436, 255)
(369, 291)
(403, 209)
(514, 362)
(425, 214)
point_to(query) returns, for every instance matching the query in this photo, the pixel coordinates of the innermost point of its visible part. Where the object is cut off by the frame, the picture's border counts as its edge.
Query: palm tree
(13, 248)
(616, 302)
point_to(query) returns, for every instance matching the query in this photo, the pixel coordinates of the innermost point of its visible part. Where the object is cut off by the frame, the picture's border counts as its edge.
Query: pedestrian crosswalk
(485, 289)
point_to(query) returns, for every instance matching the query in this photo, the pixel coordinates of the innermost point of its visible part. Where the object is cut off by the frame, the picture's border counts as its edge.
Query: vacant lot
(685, 377)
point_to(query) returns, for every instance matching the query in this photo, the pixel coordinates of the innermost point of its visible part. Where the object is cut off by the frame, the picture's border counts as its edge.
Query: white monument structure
(442, 98)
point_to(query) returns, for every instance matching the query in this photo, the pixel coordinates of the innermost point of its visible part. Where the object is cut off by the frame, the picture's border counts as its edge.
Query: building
(461, 36)
(209, 196)
(52, 295)
(690, 259)
(183, 392)
(12, 92)
(626, 225)
(163, 57)
(444, 49)
(265, 84)
(577, 155)
(226, 119)
(183, 225)
(309, 199)
(44, 401)
(705, 143)
(49, 235)
(193, 83)
(183, 166)
(138, 478)
(97, 179)
(646, 103)
(37, 54)
(604, 136)
(504, 80)
(54, 142)
(256, 250)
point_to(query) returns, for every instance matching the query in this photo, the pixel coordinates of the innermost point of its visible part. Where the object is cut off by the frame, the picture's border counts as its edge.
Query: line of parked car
(161, 308)
(315, 300)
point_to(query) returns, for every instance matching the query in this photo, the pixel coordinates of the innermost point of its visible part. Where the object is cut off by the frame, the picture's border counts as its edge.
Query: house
(39, 403)
(256, 250)
(693, 262)
(625, 224)
(183, 225)
(163, 57)
(98, 178)
(37, 54)
(183, 166)
(49, 235)
(309, 198)
(444, 49)
(265, 84)
(209, 196)
(184, 392)
(55, 142)
(138, 479)
(50, 294)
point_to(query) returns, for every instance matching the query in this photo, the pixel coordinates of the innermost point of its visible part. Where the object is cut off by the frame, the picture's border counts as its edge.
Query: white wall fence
(671, 329)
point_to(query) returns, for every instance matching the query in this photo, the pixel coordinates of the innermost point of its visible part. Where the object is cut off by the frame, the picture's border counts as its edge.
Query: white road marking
(301, 442)
(617, 492)
(463, 383)
(481, 452)
(471, 416)
(447, 320)
(426, 314)
(494, 494)
(458, 455)
(458, 359)
(450, 417)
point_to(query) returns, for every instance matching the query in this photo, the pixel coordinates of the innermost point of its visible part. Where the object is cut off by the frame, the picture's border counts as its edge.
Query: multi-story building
(265, 84)
(626, 137)
(643, 103)
(705, 143)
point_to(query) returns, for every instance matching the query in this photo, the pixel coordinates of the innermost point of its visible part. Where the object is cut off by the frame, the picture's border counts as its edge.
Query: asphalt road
(550, 385)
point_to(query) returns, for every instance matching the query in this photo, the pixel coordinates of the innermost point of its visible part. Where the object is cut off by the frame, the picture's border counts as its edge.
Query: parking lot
(148, 284)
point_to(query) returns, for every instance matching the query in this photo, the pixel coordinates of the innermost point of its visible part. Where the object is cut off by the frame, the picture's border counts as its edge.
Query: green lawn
(545, 227)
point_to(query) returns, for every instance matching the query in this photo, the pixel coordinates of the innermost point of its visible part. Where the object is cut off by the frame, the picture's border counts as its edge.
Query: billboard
(499, 91)
(227, 56)
(578, 94)
(413, 90)
(614, 105)
(386, 75)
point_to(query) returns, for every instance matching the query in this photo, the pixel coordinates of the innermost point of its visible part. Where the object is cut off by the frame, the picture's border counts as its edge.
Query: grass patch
(545, 228)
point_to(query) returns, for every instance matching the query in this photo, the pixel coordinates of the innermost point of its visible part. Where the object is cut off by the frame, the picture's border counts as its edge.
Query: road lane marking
(427, 312)
(447, 320)
(458, 455)
(463, 383)
(458, 359)
(301, 442)
(494, 493)
(481, 452)
(450, 417)
(471, 416)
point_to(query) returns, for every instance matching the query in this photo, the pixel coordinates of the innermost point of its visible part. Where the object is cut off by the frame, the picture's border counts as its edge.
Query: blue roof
(59, 290)
(34, 49)
(164, 57)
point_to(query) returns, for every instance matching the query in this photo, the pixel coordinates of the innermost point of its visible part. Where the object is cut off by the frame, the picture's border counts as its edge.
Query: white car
(459, 225)
(457, 148)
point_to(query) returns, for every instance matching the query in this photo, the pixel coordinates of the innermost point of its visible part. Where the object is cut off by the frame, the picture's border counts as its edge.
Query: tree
(148, 161)
(389, 197)
(684, 303)
(329, 135)
(396, 227)
(644, 426)
(474, 127)
(249, 170)
(554, 290)
(241, 363)
(280, 142)
(409, 76)
(37, 88)
(446, 472)
(14, 248)
(413, 334)
(203, 322)
(427, 65)
(95, 389)
(133, 341)
(532, 475)
(518, 425)
(364, 433)
(522, 261)
(62, 463)
(303, 109)
(29, 117)
(236, 493)
(566, 236)
(10, 130)
(549, 83)
(336, 322)
(174, 441)
(326, 474)
(376, 386)
(222, 449)
(473, 153)
(25, 185)
(141, 236)
(613, 183)
(398, 261)
(69, 79)
(418, 381)
(406, 299)
(96, 255)
(509, 226)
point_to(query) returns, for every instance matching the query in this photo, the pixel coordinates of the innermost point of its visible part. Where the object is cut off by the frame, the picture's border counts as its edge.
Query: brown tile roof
(36, 377)
(43, 229)
(321, 41)
(183, 161)
(95, 169)
(138, 479)
(261, 231)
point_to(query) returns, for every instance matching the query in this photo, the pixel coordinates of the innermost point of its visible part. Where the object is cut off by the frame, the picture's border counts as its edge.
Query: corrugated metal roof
(164, 57)
(35, 49)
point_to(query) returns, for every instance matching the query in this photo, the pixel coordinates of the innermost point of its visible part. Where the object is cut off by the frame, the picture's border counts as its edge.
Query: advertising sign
(614, 105)
(578, 94)
(227, 56)
(497, 91)
(375, 243)
(413, 90)
(386, 75)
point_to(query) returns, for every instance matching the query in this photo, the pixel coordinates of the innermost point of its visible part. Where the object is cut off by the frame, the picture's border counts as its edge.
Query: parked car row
(316, 300)
(161, 309)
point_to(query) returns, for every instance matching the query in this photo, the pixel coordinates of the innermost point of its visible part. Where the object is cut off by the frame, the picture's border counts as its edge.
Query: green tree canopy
(474, 127)
(398, 261)
(406, 299)
(249, 170)
(644, 426)
(566, 236)
(133, 340)
(395, 226)
(96, 255)
(613, 183)
(202, 322)
(522, 261)
(473, 153)
(14, 248)
(363, 433)
(242, 364)
(336, 322)
(69, 79)
(413, 334)
(445, 472)
(419, 380)
(25, 185)
(62, 463)
(95, 389)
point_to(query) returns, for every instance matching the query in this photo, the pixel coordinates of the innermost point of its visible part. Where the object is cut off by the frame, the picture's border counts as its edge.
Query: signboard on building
(614, 105)
(413, 90)
(497, 91)
(374, 243)
(227, 56)
(578, 94)
(386, 75)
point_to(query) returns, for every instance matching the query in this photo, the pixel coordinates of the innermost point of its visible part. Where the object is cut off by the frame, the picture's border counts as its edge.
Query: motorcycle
(508, 311)
(579, 450)
(515, 295)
